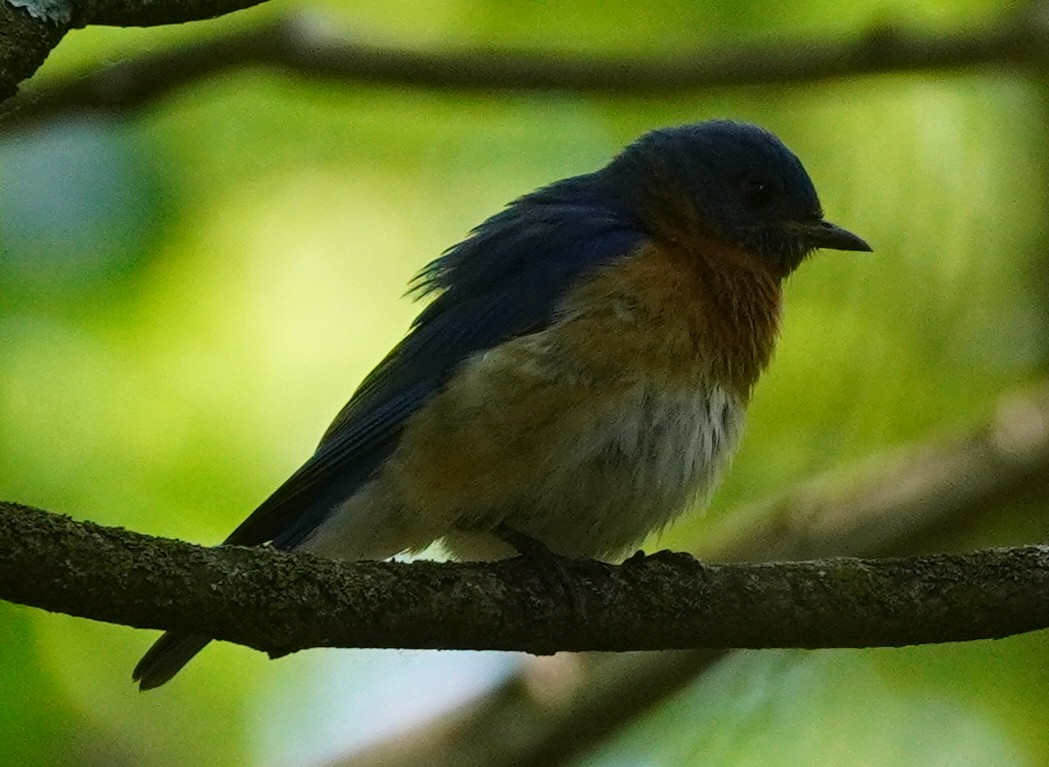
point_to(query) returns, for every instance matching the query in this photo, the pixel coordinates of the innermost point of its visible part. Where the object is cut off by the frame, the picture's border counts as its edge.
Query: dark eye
(758, 192)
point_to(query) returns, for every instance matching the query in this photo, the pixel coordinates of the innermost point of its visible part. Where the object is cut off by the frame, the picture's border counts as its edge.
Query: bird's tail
(165, 658)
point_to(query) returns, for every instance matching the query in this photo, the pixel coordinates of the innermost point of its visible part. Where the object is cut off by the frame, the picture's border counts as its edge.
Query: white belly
(598, 481)
(624, 475)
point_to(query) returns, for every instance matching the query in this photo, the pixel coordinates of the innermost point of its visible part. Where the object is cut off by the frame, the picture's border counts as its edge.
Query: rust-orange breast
(707, 311)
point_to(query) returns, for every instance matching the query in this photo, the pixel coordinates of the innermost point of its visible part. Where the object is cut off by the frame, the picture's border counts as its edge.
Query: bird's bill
(824, 234)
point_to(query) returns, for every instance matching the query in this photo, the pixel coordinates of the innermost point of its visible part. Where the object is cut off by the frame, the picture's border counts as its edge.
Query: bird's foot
(665, 556)
(552, 568)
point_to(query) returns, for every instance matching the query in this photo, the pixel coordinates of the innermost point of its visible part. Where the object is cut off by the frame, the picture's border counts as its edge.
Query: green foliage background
(190, 295)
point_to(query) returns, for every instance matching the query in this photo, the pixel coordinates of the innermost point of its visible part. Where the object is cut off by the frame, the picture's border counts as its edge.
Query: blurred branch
(916, 500)
(305, 45)
(283, 602)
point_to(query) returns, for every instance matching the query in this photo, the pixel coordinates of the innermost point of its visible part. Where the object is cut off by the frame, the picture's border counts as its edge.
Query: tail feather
(165, 658)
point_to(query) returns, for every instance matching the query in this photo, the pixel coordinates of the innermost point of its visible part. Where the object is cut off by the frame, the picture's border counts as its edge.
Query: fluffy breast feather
(616, 472)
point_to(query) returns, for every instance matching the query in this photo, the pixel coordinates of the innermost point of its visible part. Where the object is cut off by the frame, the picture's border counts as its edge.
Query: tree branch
(25, 42)
(305, 46)
(30, 29)
(283, 602)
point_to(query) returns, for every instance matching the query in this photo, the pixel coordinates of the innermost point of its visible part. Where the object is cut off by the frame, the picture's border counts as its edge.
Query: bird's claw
(552, 568)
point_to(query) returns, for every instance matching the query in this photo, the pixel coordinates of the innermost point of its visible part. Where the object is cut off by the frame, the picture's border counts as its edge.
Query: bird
(580, 374)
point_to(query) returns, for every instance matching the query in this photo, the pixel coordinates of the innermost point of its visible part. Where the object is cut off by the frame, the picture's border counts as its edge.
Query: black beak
(824, 234)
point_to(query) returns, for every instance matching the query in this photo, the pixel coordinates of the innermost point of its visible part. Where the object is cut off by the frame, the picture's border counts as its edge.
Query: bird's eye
(757, 192)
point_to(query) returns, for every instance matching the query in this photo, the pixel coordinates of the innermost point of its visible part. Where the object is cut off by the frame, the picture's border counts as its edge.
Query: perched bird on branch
(581, 374)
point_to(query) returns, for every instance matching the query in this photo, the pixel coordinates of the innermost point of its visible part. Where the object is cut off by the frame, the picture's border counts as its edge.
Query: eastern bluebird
(581, 374)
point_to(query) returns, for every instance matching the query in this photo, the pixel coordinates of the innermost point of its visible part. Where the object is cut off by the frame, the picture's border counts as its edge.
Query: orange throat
(682, 315)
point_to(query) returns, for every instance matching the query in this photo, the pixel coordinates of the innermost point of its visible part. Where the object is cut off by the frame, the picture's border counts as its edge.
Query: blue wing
(504, 281)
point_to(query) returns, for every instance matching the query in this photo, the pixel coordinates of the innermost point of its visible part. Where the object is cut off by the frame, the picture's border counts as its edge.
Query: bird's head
(735, 182)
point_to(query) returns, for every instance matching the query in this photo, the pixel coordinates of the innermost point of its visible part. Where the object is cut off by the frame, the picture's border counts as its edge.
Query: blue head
(735, 182)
